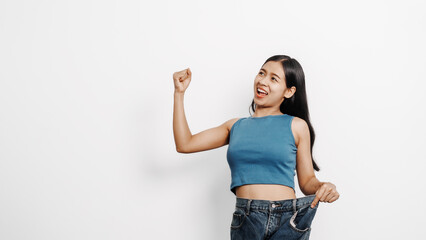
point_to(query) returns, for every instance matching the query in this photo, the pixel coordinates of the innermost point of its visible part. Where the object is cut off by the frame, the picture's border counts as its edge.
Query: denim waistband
(276, 205)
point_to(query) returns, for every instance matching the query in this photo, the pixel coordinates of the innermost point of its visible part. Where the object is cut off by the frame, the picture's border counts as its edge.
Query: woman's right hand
(182, 80)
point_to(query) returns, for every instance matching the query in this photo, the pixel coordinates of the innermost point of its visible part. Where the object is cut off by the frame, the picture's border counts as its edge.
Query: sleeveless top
(262, 150)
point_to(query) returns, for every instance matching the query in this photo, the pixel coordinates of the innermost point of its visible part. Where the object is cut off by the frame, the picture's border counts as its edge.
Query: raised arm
(184, 140)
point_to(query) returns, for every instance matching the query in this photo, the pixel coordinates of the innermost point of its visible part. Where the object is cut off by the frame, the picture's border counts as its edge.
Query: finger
(183, 76)
(327, 195)
(318, 197)
(334, 198)
(314, 202)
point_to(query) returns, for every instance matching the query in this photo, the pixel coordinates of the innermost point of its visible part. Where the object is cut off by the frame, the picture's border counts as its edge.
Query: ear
(290, 92)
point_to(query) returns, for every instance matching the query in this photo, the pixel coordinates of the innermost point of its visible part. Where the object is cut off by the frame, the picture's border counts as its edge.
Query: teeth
(260, 90)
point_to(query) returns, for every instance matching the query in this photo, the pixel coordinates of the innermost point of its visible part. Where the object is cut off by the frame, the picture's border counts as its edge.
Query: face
(271, 79)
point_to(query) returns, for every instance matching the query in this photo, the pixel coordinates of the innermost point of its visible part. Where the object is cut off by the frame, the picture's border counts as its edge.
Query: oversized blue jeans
(255, 219)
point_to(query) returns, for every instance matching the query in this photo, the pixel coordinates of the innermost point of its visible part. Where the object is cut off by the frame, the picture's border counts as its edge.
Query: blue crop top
(262, 150)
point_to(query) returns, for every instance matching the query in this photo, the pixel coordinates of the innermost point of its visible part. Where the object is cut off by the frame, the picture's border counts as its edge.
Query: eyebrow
(271, 72)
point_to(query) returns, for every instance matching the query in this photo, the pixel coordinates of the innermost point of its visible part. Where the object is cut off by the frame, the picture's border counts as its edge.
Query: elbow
(304, 192)
(180, 150)
(183, 147)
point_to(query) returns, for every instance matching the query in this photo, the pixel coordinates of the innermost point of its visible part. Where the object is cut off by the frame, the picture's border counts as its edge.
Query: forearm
(181, 131)
(312, 186)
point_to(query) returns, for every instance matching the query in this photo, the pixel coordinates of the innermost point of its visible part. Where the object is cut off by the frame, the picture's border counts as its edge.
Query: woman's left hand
(326, 193)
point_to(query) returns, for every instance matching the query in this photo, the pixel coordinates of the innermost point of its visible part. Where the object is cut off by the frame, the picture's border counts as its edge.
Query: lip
(260, 96)
(263, 89)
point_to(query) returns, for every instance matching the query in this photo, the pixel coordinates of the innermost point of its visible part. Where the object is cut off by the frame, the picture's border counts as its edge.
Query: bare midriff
(271, 192)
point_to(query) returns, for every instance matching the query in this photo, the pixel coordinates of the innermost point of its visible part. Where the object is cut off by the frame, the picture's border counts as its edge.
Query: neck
(265, 112)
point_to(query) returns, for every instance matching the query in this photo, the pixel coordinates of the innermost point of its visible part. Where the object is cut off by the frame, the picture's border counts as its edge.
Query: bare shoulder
(231, 123)
(300, 129)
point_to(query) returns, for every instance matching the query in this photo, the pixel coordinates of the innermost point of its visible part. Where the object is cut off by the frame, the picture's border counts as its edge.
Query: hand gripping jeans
(255, 219)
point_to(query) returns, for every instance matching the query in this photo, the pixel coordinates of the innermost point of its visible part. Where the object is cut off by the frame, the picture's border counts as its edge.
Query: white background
(86, 110)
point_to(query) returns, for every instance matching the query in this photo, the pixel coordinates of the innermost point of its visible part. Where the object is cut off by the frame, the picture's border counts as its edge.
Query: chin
(257, 102)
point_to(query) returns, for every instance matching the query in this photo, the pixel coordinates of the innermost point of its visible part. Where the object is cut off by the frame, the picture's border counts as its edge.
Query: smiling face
(270, 79)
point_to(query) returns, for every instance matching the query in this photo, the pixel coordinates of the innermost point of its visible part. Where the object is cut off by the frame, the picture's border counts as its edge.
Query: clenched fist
(182, 80)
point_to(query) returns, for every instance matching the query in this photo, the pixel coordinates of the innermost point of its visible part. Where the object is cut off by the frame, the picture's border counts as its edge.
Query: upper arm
(304, 166)
(210, 138)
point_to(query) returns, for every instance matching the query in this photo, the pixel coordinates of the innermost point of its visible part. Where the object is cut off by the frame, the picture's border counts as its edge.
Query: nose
(263, 81)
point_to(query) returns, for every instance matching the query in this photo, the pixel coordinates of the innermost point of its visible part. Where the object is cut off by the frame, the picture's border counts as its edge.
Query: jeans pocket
(302, 219)
(238, 218)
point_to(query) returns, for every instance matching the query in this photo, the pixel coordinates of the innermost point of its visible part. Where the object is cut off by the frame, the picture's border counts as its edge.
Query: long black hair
(297, 105)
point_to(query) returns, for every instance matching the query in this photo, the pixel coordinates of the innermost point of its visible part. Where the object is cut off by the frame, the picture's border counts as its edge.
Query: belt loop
(294, 205)
(248, 207)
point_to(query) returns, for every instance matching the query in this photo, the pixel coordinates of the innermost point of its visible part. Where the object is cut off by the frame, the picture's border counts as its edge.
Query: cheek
(278, 91)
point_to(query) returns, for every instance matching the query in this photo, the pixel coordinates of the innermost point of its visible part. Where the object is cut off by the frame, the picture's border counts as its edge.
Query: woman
(264, 152)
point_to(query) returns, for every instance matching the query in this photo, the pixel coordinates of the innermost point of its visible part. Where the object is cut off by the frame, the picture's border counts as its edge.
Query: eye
(260, 72)
(275, 79)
